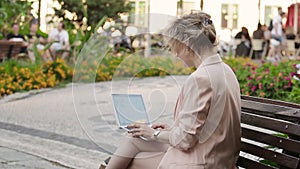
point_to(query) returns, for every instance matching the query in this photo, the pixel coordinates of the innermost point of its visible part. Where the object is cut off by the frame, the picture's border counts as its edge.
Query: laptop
(129, 108)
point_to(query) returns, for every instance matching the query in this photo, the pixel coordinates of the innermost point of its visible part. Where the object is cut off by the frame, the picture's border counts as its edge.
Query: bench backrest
(9, 49)
(270, 134)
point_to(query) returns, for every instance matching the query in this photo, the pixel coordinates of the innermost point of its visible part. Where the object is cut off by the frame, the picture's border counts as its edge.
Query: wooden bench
(9, 49)
(270, 134)
(264, 123)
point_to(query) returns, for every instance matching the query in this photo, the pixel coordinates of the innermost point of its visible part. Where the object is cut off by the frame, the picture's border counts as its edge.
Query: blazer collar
(212, 60)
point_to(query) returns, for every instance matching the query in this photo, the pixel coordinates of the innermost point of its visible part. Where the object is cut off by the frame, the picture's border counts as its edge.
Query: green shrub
(269, 80)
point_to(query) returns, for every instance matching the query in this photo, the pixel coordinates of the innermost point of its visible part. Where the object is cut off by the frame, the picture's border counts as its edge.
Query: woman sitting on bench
(206, 132)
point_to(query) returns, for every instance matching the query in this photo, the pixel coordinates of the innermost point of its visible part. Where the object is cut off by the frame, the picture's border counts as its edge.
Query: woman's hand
(162, 126)
(141, 129)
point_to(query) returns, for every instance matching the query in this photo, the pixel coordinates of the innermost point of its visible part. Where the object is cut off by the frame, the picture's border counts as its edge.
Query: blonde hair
(196, 31)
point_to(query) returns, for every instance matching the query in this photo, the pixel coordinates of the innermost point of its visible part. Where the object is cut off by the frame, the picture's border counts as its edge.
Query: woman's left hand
(140, 129)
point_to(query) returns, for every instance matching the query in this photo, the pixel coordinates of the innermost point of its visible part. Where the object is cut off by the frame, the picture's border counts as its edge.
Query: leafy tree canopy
(13, 12)
(90, 12)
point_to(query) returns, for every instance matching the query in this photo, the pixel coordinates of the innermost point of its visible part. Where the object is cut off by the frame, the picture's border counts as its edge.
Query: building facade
(228, 15)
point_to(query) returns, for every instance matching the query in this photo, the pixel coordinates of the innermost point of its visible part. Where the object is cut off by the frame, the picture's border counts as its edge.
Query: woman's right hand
(162, 126)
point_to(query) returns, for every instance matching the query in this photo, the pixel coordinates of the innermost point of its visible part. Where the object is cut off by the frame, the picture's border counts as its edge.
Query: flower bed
(16, 77)
(274, 81)
(269, 80)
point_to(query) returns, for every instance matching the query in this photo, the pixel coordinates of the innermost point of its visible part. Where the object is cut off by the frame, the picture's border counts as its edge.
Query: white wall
(248, 13)
(161, 12)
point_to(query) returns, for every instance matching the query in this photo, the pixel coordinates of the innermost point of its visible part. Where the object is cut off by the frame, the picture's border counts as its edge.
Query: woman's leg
(148, 160)
(133, 146)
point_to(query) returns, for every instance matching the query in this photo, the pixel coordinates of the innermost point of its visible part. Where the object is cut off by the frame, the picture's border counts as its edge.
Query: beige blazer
(206, 133)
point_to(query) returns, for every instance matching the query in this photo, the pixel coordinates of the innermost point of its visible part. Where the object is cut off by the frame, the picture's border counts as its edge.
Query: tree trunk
(179, 8)
(201, 5)
(39, 12)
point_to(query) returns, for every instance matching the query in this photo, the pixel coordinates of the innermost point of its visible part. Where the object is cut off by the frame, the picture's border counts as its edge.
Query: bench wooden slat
(250, 164)
(270, 101)
(262, 107)
(275, 111)
(279, 158)
(271, 124)
(280, 142)
(290, 114)
(271, 108)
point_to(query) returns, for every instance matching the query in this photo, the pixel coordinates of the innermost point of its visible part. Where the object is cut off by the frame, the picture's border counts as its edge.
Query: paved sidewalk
(13, 159)
(75, 127)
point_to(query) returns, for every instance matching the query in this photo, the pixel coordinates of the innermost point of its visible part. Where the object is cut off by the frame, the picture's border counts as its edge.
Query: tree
(13, 11)
(90, 10)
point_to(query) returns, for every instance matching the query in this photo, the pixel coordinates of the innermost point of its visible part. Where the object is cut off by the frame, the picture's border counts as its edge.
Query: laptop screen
(130, 108)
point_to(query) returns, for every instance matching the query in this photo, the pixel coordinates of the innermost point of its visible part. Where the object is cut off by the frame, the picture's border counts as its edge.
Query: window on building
(187, 7)
(229, 16)
(131, 17)
(137, 12)
(270, 12)
(224, 15)
(235, 16)
(142, 12)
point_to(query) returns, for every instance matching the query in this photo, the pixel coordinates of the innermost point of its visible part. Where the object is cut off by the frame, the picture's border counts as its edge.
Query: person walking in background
(277, 37)
(206, 132)
(60, 37)
(267, 38)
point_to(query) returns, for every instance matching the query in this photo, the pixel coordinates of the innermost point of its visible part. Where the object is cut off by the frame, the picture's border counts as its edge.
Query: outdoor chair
(291, 48)
(71, 52)
(257, 46)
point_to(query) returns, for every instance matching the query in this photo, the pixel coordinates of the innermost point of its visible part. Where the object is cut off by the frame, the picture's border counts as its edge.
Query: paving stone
(13, 159)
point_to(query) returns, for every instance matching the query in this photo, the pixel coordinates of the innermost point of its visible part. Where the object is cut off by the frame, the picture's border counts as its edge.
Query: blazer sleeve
(197, 93)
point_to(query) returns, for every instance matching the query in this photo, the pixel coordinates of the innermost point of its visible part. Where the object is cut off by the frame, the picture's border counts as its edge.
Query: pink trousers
(135, 153)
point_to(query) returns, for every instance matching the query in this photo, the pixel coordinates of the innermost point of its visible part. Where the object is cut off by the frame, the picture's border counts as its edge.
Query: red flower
(253, 88)
(259, 78)
(292, 74)
(267, 70)
(295, 66)
(260, 86)
(287, 78)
